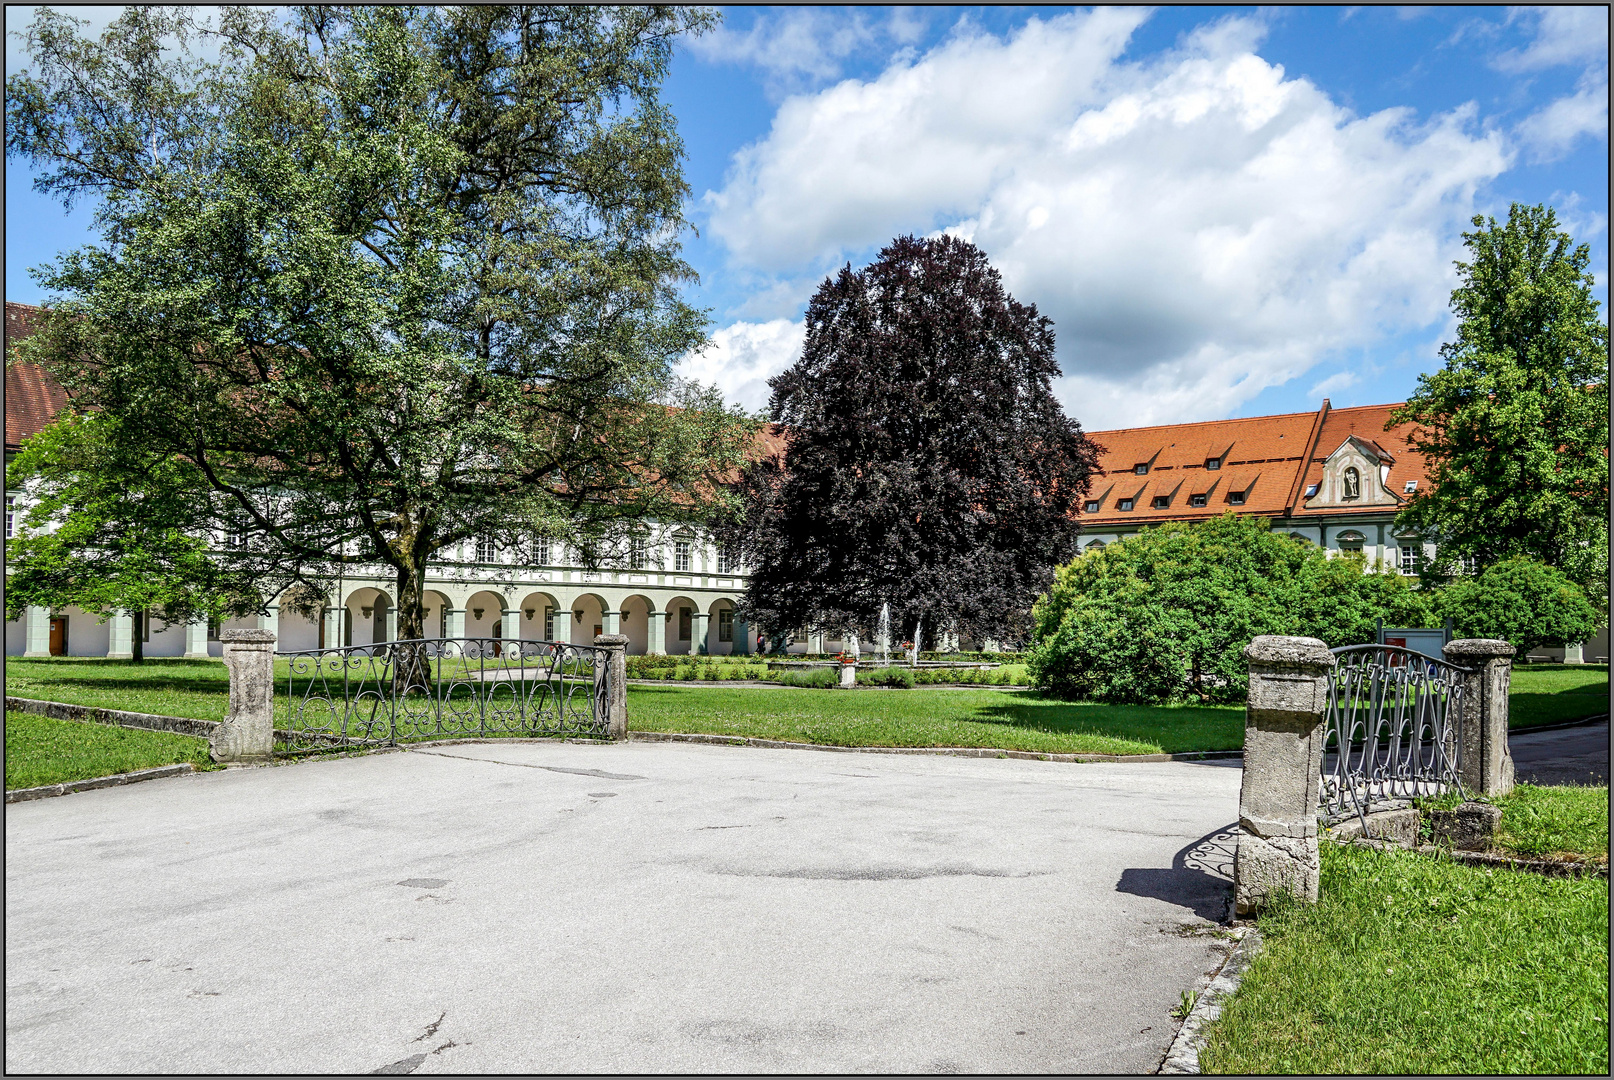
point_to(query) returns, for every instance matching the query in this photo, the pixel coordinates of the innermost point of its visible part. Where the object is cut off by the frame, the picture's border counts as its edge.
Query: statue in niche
(1353, 484)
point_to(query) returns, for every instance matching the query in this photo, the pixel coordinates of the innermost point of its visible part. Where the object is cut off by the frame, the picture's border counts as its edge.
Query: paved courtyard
(639, 907)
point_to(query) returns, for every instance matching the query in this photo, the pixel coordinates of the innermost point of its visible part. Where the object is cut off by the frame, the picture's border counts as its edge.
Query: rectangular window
(683, 623)
(1196, 500)
(638, 553)
(1412, 485)
(235, 537)
(1409, 559)
(485, 551)
(1213, 463)
(1161, 502)
(1311, 490)
(681, 560)
(1236, 498)
(1141, 468)
(212, 628)
(1123, 504)
(725, 626)
(11, 516)
(1090, 508)
(725, 563)
(540, 550)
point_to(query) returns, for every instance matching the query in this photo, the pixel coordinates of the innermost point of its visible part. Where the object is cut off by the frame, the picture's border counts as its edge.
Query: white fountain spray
(918, 633)
(885, 633)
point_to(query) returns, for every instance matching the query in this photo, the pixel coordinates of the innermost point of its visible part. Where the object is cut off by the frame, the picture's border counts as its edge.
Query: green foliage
(41, 750)
(1167, 612)
(898, 678)
(386, 279)
(1410, 965)
(1521, 601)
(816, 678)
(1542, 821)
(1515, 426)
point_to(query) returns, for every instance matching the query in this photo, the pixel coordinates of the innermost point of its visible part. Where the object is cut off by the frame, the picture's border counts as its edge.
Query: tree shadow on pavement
(1200, 877)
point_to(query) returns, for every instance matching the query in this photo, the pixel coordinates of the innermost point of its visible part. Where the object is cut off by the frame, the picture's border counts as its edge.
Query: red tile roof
(33, 397)
(1269, 460)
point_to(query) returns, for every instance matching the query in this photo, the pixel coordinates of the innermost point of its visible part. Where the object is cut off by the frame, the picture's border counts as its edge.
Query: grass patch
(1555, 693)
(1009, 720)
(40, 750)
(195, 689)
(1409, 964)
(1547, 822)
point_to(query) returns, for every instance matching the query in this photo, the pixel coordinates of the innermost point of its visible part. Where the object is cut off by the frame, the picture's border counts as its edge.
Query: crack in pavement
(523, 765)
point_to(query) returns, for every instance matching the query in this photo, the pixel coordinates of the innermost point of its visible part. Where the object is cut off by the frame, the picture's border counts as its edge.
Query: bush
(817, 678)
(1524, 602)
(895, 677)
(1166, 614)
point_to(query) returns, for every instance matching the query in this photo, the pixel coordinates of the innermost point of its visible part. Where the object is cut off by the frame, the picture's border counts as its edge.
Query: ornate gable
(1354, 476)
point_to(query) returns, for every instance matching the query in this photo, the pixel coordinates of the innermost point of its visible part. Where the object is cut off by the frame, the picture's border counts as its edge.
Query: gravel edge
(49, 791)
(952, 751)
(1183, 1057)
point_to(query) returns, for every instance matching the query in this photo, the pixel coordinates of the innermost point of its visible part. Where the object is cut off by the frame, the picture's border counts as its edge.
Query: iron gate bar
(427, 688)
(1394, 721)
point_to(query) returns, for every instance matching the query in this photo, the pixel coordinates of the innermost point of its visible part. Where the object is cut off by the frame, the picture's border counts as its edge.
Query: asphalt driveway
(649, 907)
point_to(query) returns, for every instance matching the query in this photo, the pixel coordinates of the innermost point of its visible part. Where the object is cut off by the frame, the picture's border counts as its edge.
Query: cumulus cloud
(1564, 36)
(800, 47)
(742, 358)
(1199, 226)
(1571, 34)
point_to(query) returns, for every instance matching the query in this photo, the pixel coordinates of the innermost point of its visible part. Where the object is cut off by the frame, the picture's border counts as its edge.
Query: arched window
(1350, 541)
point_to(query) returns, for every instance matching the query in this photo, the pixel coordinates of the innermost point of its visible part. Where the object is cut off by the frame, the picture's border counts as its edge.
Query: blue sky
(1226, 212)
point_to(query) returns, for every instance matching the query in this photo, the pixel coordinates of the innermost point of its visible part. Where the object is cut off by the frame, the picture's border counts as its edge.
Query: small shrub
(818, 678)
(898, 678)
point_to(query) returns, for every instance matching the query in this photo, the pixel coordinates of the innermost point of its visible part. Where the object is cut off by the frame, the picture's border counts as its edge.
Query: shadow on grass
(1175, 728)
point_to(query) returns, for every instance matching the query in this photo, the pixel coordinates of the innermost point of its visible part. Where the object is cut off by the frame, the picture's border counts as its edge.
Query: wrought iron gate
(1393, 729)
(441, 688)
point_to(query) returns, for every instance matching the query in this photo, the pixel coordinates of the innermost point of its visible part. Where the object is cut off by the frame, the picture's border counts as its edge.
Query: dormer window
(1236, 498)
(1090, 507)
(1123, 504)
(1161, 502)
(1311, 490)
(1196, 500)
(1412, 485)
(1213, 463)
(1141, 468)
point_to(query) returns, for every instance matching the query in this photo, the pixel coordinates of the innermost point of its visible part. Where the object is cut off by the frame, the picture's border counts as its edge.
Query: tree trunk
(412, 602)
(138, 636)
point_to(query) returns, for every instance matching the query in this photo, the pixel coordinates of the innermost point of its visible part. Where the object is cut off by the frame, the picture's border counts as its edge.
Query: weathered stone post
(248, 731)
(1283, 757)
(1487, 767)
(615, 662)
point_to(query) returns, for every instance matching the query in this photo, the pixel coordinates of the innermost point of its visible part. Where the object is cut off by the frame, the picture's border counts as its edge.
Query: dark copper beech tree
(927, 464)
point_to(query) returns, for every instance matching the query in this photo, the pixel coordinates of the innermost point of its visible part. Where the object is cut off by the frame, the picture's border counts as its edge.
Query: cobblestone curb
(951, 751)
(117, 780)
(1183, 1057)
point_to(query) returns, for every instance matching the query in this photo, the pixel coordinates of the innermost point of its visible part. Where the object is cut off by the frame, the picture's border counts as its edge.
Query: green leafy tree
(1515, 426)
(377, 280)
(1166, 613)
(1523, 602)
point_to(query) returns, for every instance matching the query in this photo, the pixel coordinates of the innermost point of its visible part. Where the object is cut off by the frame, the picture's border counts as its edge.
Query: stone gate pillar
(614, 668)
(1283, 751)
(1487, 766)
(247, 733)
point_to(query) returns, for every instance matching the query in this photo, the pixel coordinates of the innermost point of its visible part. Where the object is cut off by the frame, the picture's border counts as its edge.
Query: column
(613, 670)
(120, 636)
(270, 619)
(656, 633)
(510, 617)
(1486, 765)
(697, 632)
(610, 622)
(1283, 754)
(1575, 653)
(196, 639)
(391, 622)
(333, 627)
(36, 631)
(247, 733)
(453, 621)
(815, 641)
(742, 636)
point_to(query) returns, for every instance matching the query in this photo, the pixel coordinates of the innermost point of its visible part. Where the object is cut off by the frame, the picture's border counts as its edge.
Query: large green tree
(376, 281)
(1515, 425)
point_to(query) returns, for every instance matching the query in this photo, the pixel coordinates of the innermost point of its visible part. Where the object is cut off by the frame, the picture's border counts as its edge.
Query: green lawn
(1004, 719)
(1553, 693)
(42, 751)
(1557, 822)
(1409, 964)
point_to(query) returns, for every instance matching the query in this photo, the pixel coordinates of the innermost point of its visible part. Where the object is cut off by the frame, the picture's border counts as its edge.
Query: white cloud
(1552, 131)
(800, 47)
(1340, 380)
(1199, 227)
(1570, 34)
(744, 356)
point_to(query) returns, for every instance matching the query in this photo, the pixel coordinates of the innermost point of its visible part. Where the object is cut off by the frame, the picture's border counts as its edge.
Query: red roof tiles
(33, 397)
